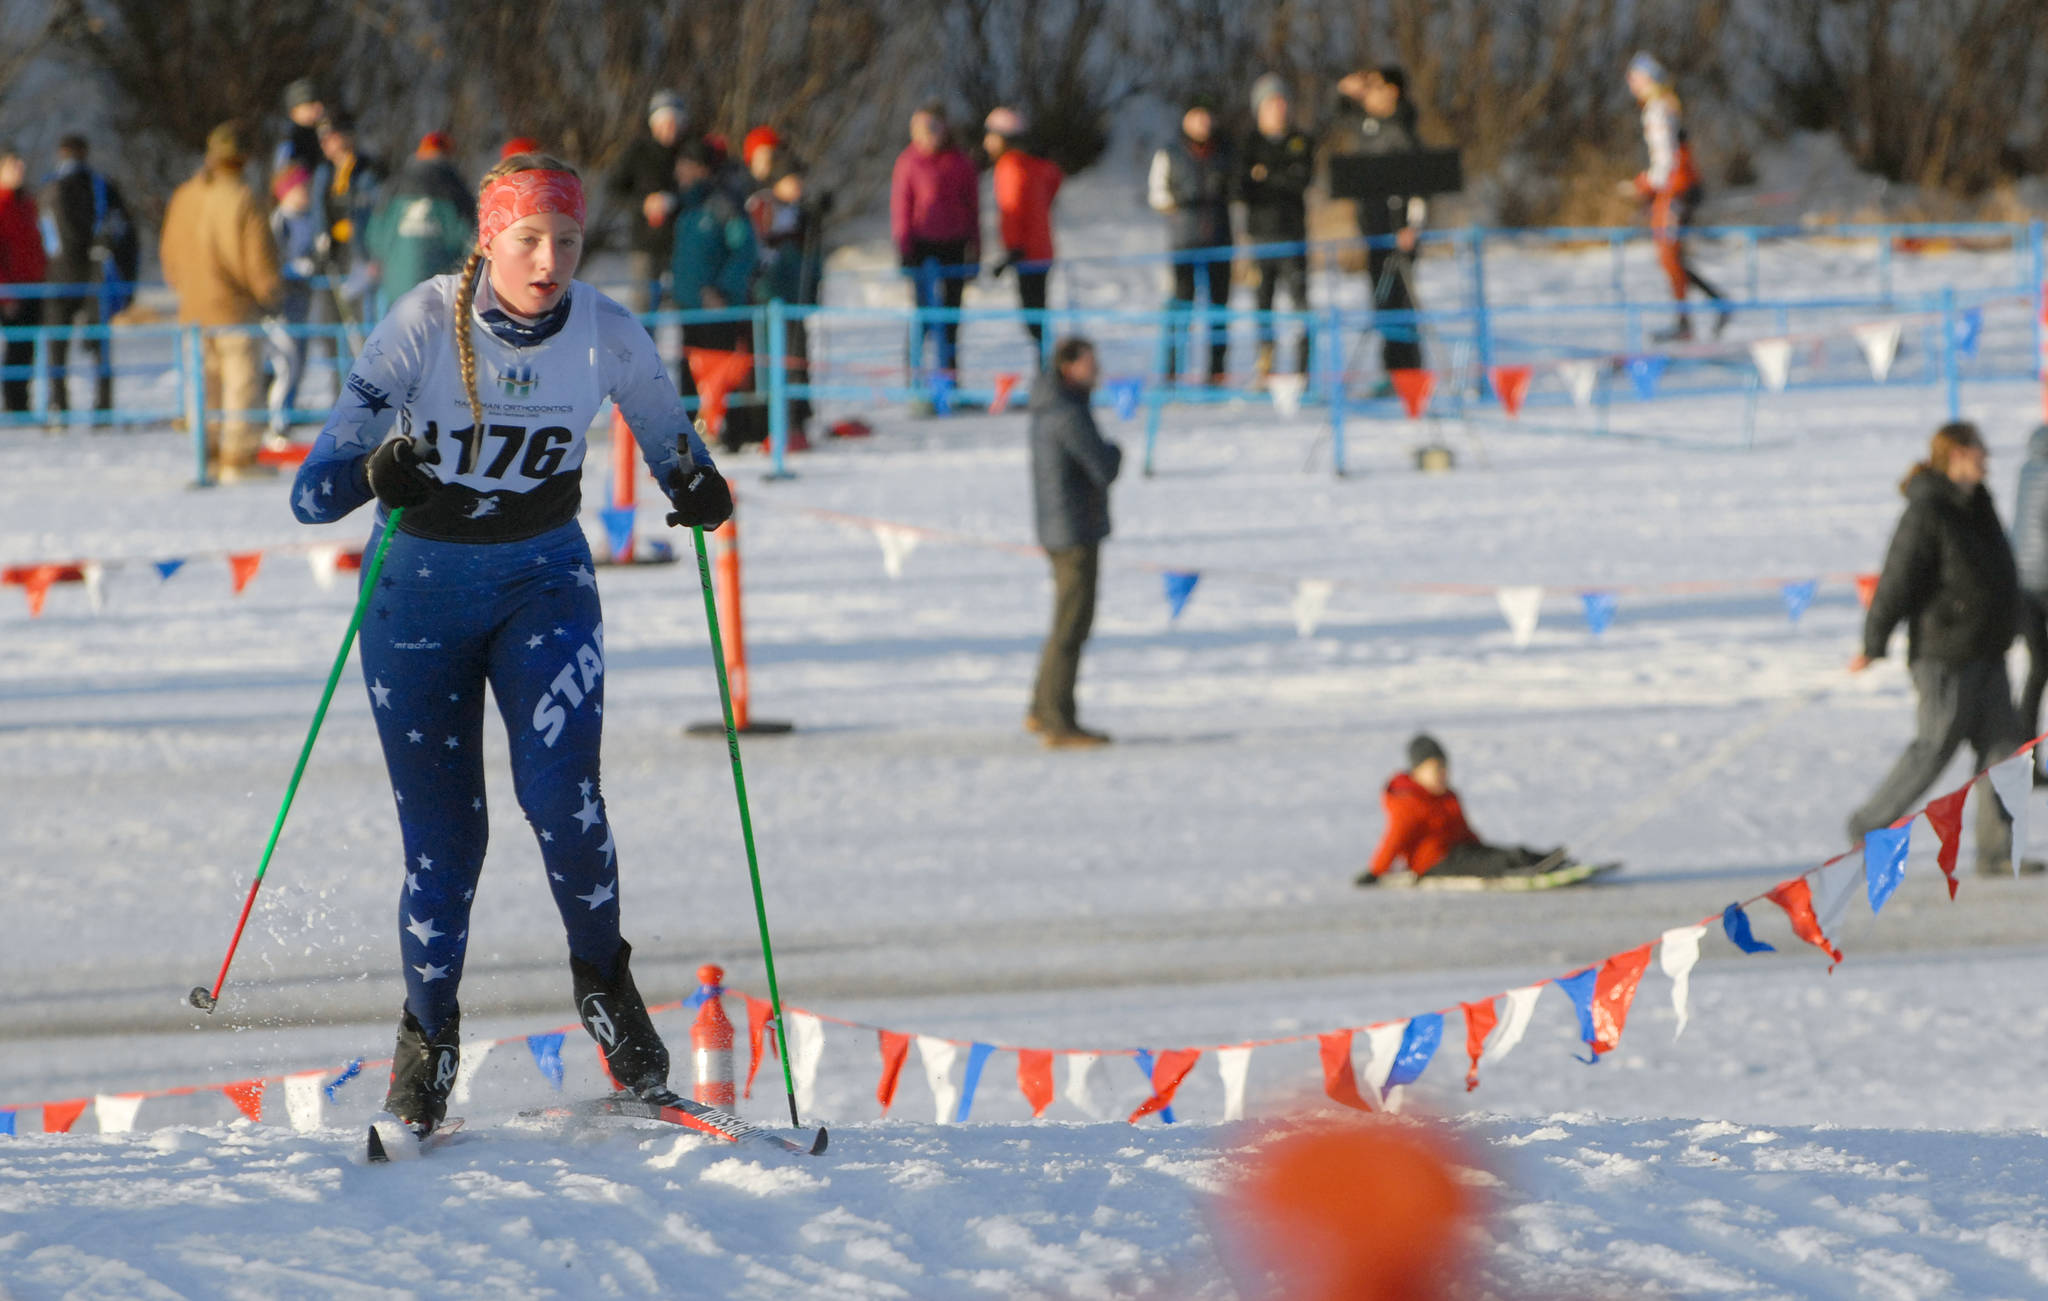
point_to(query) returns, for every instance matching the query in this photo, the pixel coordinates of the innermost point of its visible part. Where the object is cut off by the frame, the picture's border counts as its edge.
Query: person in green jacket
(712, 266)
(424, 221)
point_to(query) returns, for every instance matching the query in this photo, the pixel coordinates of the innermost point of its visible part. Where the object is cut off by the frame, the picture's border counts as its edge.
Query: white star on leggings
(424, 931)
(430, 973)
(599, 896)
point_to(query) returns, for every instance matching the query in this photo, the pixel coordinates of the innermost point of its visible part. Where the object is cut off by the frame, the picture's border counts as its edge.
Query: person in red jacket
(935, 221)
(1426, 827)
(1670, 186)
(21, 263)
(1025, 188)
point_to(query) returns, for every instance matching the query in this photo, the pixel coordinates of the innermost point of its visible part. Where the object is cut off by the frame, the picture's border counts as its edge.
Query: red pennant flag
(1945, 815)
(1480, 1019)
(1614, 989)
(1340, 1081)
(59, 1117)
(1511, 383)
(36, 582)
(716, 374)
(1796, 898)
(759, 1014)
(349, 561)
(247, 1097)
(243, 567)
(1005, 385)
(1034, 1078)
(1866, 589)
(895, 1047)
(1168, 1070)
(1414, 385)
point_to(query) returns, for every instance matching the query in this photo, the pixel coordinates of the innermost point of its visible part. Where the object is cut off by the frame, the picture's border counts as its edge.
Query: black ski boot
(422, 1073)
(616, 1017)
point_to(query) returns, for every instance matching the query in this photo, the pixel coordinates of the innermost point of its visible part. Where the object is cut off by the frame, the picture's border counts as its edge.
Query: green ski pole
(206, 999)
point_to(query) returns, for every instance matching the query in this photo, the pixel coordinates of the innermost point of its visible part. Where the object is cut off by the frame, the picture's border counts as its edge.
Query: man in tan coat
(218, 256)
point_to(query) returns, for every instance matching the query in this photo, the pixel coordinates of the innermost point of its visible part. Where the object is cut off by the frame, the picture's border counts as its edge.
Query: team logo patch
(517, 381)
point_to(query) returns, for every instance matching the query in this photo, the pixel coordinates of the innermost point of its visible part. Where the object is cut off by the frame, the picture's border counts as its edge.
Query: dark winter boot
(422, 1072)
(616, 1017)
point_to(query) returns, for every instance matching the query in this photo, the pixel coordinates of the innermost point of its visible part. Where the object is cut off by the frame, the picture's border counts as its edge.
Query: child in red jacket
(1426, 827)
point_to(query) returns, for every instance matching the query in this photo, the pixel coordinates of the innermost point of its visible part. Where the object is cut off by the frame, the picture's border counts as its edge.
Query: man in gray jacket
(1072, 466)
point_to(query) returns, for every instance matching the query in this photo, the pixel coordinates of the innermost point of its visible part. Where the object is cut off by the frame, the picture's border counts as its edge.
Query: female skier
(492, 376)
(1670, 185)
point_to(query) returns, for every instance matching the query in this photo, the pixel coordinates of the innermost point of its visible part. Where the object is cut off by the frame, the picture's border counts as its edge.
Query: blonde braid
(472, 273)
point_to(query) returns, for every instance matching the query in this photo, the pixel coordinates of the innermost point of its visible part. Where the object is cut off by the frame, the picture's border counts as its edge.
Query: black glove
(1365, 878)
(1009, 263)
(398, 476)
(701, 496)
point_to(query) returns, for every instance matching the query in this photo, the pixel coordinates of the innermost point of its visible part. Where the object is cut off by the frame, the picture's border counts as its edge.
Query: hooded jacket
(2030, 517)
(1948, 575)
(423, 225)
(1421, 827)
(1072, 466)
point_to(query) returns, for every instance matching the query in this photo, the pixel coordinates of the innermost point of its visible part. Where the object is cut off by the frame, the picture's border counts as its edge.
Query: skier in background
(1427, 831)
(1670, 185)
(491, 376)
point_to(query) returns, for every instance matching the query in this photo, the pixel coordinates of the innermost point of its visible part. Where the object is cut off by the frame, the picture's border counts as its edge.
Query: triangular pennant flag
(1034, 1079)
(547, 1055)
(1419, 1043)
(760, 1035)
(242, 567)
(1599, 608)
(1798, 598)
(94, 575)
(806, 1050)
(1521, 1008)
(1311, 599)
(1969, 327)
(1884, 862)
(1945, 815)
(1833, 887)
(1480, 1019)
(6, 1120)
(1235, 1066)
(1644, 372)
(115, 1112)
(618, 531)
(938, 1056)
(35, 582)
(895, 1047)
(977, 1058)
(2012, 781)
(1521, 607)
(1127, 394)
(1880, 343)
(1179, 587)
(165, 568)
(943, 386)
(1511, 385)
(1287, 391)
(1005, 385)
(472, 1061)
(1678, 950)
(1340, 1078)
(349, 562)
(322, 561)
(248, 1098)
(348, 1073)
(1773, 358)
(1414, 385)
(59, 1117)
(897, 544)
(1866, 589)
(1383, 1044)
(302, 1103)
(1167, 1073)
(1079, 1066)
(1796, 898)
(1735, 925)
(1581, 377)
(716, 373)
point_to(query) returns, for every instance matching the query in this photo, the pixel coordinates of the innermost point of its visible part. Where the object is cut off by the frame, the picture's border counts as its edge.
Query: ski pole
(201, 997)
(739, 787)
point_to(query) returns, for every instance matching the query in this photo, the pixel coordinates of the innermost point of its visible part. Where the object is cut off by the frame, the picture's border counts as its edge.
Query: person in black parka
(1949, 577)
(1072, 466)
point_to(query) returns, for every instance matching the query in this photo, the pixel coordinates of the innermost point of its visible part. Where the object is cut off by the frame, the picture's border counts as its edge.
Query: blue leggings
(523, 616)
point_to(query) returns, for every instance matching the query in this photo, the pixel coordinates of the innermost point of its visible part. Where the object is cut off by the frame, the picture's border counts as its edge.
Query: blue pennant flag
(547, 1054)
(1798, 597)
(1144, 1060)
(942, 393)
(1599, 607)
(1126, 393)
(618, 528)
(1645, 372)
(1179, 587)
(348, 1073)
(704, 994)
(1579, 988)
(1418, 1044)
(1884, 862)
(165, 568)
(1969, 327)
(1735, 925)
(6, 1120)
(977, 1057)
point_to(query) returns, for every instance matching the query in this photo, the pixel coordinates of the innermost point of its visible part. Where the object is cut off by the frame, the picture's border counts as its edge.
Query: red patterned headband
(523, 194)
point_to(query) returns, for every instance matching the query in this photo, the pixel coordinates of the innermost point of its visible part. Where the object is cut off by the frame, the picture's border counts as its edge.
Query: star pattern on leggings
(589, 815)
(426, 864)
(429, 973)
(424, 931)
(534, 642)
(412, 883)
(600, 895)
(606, 847)
(584, 578)
(415, 736)
(308, 503)
(381, 693)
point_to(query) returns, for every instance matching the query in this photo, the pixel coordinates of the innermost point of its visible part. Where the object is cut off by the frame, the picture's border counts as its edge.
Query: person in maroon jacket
(21, 263)
(935, 220)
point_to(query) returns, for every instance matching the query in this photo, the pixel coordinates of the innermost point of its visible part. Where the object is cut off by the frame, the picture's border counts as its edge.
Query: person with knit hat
(1670, 188)
(424, 220)
(469, 411)
(1427, 832)
(644, 184)
(1190, 183)
(300, 146)
(1025, 187)
(219, 258)
(1276, 167)
(296, 228)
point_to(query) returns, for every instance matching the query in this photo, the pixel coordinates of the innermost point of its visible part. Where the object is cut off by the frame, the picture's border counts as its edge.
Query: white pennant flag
(1833, 888)
(1287, 391)
(806, 1050)
(897, 544)
(95, 575)
(1311, 599)
(322, 561)
(1580, 377)
(1234, 1065)
(1773, 358)
(1522, 607)
(939, 1056)
(302, 1099)
(472, 1061)
(2012, 781)
(1880, 343)
(1521, 1006)
(116, 1111)
(1078, 1067)
(1678, 950)
(1384, 1042)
